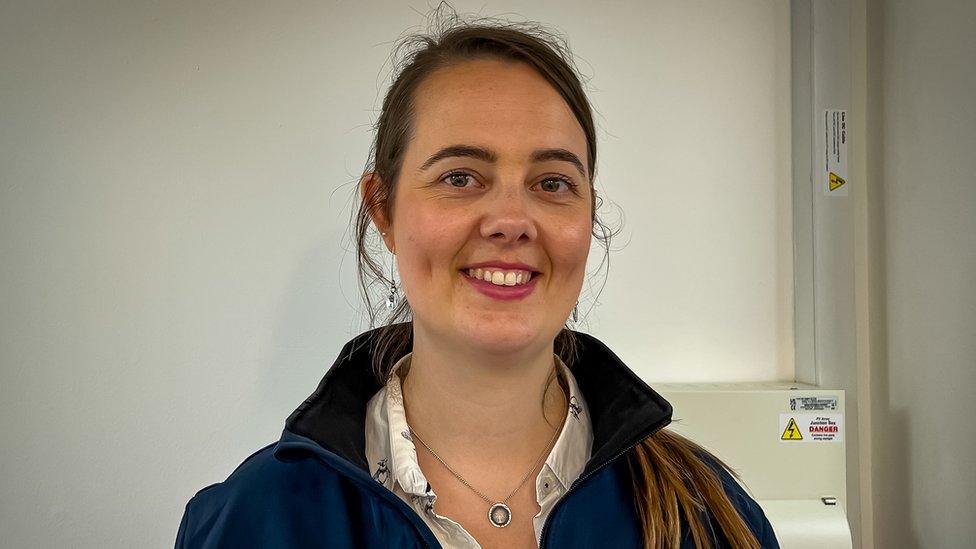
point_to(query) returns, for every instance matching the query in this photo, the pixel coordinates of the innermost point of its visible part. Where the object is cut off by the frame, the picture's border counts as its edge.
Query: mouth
(501, 277)
(502, 284)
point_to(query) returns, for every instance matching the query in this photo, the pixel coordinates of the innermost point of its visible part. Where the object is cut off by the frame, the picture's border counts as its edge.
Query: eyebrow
(487, 155)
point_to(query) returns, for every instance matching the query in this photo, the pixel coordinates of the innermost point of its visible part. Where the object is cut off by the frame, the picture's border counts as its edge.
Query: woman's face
(493, 176)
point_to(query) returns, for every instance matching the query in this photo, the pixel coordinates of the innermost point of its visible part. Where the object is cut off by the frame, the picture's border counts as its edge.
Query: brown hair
(671, 481)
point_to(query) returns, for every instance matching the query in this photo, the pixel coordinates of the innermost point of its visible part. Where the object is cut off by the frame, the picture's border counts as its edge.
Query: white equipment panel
(786, 442)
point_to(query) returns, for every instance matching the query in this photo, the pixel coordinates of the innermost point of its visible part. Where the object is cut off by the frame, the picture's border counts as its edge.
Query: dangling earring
(391, 300)
(575, 313)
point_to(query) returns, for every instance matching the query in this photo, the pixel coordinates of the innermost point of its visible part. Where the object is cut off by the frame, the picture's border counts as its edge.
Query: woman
(425, 433)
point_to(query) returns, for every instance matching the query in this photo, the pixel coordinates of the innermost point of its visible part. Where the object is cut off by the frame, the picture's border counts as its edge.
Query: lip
(504, 293)
(501, 265)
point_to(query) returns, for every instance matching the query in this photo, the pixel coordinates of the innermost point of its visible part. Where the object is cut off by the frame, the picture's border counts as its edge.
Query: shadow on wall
(890, 437)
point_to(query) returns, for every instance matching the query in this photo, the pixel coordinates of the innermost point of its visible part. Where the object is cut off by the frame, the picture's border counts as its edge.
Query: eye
(551, 184)
(458, 179)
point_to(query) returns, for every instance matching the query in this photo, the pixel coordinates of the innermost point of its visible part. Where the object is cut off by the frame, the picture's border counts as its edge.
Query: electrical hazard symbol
(792, 432)
(836, 181)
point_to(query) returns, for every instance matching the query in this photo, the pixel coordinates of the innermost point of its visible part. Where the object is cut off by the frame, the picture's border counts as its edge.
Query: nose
(508, 220)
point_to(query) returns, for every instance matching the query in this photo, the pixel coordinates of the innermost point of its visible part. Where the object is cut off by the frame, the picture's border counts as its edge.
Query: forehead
(505, 105)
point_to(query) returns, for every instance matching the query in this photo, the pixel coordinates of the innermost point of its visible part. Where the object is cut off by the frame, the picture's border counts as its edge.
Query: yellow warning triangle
(836, 181)
(792, 432)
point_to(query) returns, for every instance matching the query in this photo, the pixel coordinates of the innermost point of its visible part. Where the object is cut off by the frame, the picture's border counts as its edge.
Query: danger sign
(823, 427)
(792, 432)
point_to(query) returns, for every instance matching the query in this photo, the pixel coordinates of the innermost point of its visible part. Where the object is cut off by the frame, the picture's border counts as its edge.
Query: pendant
(499, 515)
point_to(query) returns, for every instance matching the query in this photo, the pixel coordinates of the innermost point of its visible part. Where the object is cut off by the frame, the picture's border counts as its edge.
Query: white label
(813, 403)
(797, 428)
(835, 138)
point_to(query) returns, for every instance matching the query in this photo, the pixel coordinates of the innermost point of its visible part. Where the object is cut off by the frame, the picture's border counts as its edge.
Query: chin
(500, 338)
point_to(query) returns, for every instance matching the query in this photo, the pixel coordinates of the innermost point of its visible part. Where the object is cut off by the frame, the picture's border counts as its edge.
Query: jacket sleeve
(181, 533)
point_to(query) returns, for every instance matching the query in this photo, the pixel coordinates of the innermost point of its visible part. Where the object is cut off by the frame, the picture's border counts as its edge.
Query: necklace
(499, 514)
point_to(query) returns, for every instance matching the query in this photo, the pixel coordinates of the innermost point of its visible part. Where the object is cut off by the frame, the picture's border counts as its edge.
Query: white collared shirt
(392, 458)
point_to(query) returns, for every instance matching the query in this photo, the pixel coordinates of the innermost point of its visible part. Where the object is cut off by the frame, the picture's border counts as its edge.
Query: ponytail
(673, 483)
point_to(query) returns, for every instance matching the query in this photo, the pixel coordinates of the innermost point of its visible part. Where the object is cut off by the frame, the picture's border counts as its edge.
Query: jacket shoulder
(250, 499)
(276, 503)
(256, 474)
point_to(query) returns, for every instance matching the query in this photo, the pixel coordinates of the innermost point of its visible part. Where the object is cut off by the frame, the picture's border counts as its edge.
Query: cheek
(571, 247)
(428, 242)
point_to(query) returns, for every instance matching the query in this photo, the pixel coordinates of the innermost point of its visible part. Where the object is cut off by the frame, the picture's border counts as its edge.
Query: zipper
(578, 482)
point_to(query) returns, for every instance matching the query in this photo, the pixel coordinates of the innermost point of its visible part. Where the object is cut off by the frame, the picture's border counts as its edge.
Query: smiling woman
(480, 187)
(491, 176)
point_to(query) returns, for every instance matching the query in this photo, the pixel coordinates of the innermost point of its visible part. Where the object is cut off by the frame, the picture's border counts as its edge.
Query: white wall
(174, 192)
(923, 287)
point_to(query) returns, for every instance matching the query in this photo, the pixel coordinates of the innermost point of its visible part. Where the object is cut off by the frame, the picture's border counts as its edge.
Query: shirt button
(548, 484)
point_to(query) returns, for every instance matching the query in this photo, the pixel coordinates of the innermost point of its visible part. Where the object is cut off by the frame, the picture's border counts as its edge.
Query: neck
(479, 406)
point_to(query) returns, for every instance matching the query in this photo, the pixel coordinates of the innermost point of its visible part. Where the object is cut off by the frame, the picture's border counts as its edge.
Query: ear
(370, 187)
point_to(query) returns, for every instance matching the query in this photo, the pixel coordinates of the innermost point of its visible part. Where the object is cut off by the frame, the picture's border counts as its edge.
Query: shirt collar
(389, 437)
(623, 409)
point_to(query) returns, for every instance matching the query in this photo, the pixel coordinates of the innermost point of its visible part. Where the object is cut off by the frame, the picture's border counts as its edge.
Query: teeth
(501, 278)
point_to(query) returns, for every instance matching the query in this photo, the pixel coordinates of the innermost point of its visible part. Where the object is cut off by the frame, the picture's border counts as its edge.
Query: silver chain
(475, 490)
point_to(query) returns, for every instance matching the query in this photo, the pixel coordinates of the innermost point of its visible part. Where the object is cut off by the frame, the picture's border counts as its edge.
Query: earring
(575, 313)
(391, 299)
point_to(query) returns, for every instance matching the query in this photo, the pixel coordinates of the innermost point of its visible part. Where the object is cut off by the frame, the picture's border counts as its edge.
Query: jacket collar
(623, 408)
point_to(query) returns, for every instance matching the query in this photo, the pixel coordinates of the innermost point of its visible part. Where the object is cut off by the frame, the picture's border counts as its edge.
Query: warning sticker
(835, 136)
(813, 403)
(824, 427)
(792, 432)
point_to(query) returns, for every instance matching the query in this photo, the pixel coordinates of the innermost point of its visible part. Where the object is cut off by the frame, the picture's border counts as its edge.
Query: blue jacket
(312, 488)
